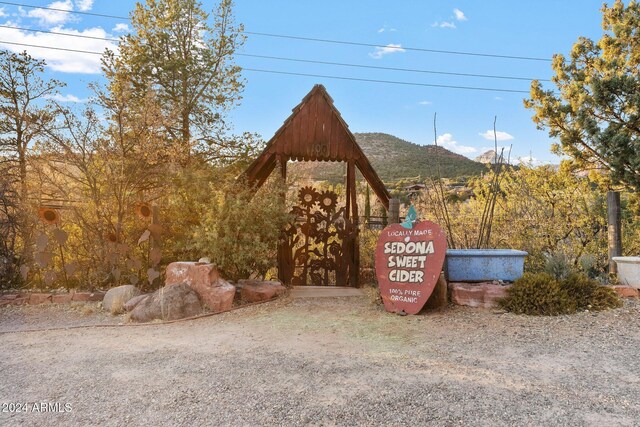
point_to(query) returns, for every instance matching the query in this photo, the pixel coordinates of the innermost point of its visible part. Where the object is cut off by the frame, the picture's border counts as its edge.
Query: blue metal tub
(480, 265)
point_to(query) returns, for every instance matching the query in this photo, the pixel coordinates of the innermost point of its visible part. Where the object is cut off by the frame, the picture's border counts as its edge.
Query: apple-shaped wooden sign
(408, 264)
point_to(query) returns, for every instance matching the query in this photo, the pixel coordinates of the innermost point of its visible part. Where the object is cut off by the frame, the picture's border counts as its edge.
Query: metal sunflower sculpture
(315, 239)
(144, 210)
(48, 215)
(308, 197)
(328, 201)
(111, 237)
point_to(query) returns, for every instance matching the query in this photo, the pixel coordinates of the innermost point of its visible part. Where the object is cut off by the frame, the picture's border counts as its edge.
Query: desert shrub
(581, 289)
(241, 228)
(368, 243)
(589, 265)
(589, 294)
(604, 298)
(541, 294)
(557, 265)
(538, 294)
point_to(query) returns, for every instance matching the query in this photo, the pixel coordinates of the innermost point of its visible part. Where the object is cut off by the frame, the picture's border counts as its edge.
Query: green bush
(604, 298)
(541, 294)
(581, 289)
(557, 265)
(538, 294)
(241, 227)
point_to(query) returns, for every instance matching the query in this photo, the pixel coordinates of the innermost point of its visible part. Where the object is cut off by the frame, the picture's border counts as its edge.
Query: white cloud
(66, 98)
(446, 140)
(387, 50)
(444, 24)
(3, 13)
(47, 17)
(84, 5)
(459, 14)
(60, 60)
(498, 98)
(425, 102)
(121, 28)
(387, 28)
(500, 136)
(529, 161)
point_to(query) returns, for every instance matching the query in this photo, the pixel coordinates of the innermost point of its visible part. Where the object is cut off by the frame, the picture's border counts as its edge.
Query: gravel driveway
(328, 362)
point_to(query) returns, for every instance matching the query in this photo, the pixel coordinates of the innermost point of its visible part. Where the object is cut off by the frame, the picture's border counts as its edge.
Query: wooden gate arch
(315, 131)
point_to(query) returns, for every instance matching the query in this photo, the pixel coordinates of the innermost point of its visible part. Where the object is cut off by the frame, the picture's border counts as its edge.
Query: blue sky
(514, 28)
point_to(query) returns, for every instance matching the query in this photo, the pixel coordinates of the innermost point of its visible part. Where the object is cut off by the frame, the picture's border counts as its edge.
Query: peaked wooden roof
(315, 131)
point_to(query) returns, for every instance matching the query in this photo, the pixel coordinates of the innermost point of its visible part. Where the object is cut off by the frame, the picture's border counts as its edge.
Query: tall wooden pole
(394, 211)
(614, 229)
(284, 258)
(354, 269)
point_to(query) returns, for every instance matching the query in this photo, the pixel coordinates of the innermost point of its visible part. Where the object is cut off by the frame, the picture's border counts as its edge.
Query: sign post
(408, 264)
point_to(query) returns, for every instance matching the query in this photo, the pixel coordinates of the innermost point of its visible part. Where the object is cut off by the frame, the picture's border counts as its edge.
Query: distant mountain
(394, 159)
(487, 157)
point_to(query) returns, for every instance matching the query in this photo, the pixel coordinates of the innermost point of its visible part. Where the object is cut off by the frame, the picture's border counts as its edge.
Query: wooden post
(354, 268)
(347, 210)
(284, 257)
(614, 229)
(283, 167)
(394, 211)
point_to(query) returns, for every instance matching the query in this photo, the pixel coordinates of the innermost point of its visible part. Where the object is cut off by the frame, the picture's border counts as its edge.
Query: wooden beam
(282, 160)
(347, 210)
(354, 261)
(351, 173)
(374, 181)
(266, 171)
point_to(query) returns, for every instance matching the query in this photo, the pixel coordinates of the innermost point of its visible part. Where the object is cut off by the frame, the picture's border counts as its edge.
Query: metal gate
(319, 244)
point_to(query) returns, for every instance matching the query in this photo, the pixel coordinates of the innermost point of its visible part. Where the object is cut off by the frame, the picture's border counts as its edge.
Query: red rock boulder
(133, 302)
(115, 298)
(258, 290)
(39, 298)
(484, 294)
(626, 291)
(168, 303)
(216, 293)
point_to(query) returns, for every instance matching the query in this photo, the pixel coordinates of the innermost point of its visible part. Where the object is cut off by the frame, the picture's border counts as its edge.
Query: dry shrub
(541, 294)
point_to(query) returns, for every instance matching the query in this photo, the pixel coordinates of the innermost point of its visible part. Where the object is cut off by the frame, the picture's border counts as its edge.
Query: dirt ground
(321, 361)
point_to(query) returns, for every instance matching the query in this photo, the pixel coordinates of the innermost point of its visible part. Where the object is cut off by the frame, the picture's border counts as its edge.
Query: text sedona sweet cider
(408, 264)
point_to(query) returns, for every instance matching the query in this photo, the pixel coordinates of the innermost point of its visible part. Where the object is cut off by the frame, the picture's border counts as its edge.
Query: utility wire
(81, 36)
(416, 49)
(388, 81)
(63, 10)
(305, 74)
(308, 61)
(411, 70)
(51, 48)
(344, 42)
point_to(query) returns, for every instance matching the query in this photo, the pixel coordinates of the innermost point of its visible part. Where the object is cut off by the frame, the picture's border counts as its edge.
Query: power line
(412, 70)
(81, 36)
(416, 49)
(64, 10)
(319, 40)
(309, 61)
(306, 74)
(388, 81)
(51, 48)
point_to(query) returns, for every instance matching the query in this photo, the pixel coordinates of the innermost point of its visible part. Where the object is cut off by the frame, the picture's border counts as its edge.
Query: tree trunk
(614, 229)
